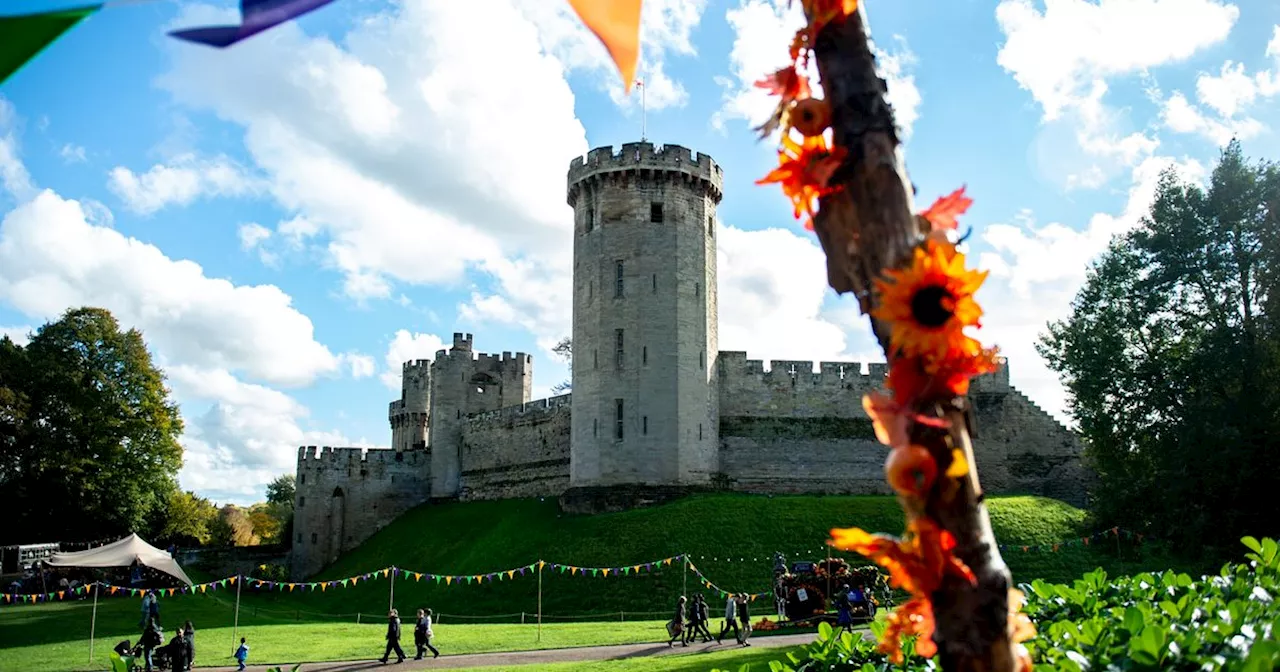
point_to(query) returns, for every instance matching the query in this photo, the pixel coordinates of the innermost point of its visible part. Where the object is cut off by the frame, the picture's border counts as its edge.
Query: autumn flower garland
(927, 306)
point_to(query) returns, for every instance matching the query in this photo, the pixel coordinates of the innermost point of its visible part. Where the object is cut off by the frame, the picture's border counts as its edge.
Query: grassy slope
(489, 536)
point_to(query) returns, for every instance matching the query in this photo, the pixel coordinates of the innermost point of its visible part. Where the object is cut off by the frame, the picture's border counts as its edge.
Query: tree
(281, 490)
(564, 351)
(233, 527)
(188, 519)
(90, 435)
(267, 522)
(1167, 354)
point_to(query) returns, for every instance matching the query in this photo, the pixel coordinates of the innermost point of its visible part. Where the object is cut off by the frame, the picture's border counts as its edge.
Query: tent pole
(93, 624)
(539, 601)
(235, 627)
(391, 601)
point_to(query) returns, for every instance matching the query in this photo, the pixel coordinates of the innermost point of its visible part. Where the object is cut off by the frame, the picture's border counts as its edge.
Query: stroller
(132, 657)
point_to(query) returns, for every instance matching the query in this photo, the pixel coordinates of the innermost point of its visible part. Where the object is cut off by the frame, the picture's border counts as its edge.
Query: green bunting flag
(24, 36)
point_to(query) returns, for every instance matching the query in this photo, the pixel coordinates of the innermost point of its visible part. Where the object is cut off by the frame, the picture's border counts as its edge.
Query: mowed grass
(731, 538)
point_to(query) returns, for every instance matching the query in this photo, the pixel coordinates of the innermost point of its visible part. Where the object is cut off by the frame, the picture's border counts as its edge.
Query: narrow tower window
(591, 219)
(617, 348)
(655, 282)
(617, 279)
(655, 213)
(699, 431)
(595, 359)
(302, 480)
(595, 427)
(644, 355)
(591, 289)
(314, 537)
(644, 427)
(697, 289)
(702, 359)
(711, 227)
(617, 422)
(302, 501)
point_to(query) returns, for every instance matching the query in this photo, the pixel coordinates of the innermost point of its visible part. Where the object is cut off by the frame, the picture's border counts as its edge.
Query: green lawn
(490, 536)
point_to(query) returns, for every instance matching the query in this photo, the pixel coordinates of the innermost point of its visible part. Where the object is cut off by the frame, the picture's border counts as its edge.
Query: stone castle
(656, 406)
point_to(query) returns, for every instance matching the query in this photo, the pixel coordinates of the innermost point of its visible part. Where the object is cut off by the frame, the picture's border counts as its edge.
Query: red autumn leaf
(942, 214)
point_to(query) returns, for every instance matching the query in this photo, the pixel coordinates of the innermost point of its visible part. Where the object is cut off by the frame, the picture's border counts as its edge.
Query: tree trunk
(869, 226)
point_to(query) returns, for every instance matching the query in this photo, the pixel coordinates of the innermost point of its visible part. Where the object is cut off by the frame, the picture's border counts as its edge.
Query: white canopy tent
(122, 553)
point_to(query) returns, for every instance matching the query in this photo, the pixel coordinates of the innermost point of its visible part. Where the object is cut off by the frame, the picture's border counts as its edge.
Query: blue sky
(288, 219)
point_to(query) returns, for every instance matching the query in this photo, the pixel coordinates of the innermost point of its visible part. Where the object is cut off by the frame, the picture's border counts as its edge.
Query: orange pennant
(617, 24)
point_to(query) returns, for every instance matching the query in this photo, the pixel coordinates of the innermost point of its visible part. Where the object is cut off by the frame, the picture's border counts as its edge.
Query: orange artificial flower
(791, 86)
(929, 303)
(942, 214)
(914, 617)
(804, 169)
(917, 563)
(910, 470)
(820, 13)
(1020, 629)
(913, 379)
(892, 421)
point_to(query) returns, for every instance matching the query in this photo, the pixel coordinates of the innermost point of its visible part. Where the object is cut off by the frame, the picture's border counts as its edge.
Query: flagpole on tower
(643, 109)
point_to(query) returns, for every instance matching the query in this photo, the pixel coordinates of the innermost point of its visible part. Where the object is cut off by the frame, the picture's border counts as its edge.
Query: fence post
(522, 618)
(357, 618)
(622, 616)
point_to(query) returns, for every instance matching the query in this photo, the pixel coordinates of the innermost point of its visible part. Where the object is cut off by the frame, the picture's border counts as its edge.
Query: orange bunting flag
(448, 580)
(616, 23)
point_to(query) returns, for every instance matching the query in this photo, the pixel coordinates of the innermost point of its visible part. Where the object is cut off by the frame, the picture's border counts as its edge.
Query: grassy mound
(730, 538)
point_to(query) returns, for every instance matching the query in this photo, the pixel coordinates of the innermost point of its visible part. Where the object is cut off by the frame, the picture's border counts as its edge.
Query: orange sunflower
(929, 303)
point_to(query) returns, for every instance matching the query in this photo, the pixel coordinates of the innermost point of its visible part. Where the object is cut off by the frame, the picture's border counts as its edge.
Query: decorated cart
(807, 591)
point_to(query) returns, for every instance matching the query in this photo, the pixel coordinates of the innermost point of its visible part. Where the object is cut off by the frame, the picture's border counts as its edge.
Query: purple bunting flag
(255, 17)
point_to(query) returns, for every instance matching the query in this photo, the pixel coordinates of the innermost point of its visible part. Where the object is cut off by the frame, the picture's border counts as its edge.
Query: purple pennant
(255, 17)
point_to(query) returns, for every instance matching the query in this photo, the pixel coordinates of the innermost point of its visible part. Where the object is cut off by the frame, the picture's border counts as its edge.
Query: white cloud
(407, 346)
(53, 257)
(18, 335)
(1230, 94)
(772, 285)
(13, 174)
(73, 153)
(451, 181)
(1064, 56)
(180, 182)
(245, 435)
(253, 236)
(1035, 273)
(1059, 53)
(763, 30)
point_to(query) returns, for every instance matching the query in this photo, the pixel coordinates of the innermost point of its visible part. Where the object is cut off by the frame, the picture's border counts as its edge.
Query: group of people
(177, 656)
(422, 635)
(691, 620)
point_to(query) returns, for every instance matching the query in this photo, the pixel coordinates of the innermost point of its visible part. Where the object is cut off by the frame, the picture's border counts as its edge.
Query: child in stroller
(134, 659)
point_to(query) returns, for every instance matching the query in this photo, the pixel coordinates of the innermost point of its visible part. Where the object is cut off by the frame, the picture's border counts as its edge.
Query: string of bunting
(504, 575)
(322, 586)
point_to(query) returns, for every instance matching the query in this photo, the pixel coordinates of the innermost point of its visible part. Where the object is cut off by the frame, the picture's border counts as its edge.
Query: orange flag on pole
(617, 24)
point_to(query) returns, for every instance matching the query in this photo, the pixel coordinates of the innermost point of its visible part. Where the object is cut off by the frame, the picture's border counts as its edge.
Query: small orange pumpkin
(811, 116)
(910, 470)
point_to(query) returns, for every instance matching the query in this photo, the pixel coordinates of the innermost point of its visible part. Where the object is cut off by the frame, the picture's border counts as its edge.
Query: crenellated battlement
(536, 406)
(645, 160)
(415, 365)
(489, 361)
(735, 365)
(309, 456)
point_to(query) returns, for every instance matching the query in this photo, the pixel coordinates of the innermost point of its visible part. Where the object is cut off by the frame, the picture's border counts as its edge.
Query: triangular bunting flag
(24, 36)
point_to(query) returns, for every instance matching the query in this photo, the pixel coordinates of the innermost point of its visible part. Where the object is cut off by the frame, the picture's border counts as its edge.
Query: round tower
(409, 415)
(645, 402)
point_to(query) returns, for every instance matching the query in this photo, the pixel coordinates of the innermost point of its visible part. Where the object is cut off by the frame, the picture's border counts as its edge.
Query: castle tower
(645, 407)
(409, 415)
(463, 383)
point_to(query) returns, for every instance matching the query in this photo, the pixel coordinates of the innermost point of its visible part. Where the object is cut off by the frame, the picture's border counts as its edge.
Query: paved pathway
(512, 658)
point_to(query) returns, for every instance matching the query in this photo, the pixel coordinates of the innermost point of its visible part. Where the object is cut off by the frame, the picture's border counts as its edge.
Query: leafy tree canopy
(281, 490)
(90, 435)
(1170, 354)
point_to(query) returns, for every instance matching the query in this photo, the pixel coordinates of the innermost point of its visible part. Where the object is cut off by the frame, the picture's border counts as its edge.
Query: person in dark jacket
(393, 638)
(189, 638)
(178, 652)
(422, 634)
(744, 618)
(152, 637)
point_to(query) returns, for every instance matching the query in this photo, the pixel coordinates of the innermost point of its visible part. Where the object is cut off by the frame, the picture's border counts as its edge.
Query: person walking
(242, 654)
(153, 609)
(422, 634)
(393, 638)
(676, 627)
(189, 639)
(744, 619)
(704, 617)
(730, 619)
(147, 598)
(152, 637)
(178, 652)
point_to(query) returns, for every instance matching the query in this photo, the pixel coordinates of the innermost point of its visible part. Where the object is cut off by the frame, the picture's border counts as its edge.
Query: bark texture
(869, 226)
